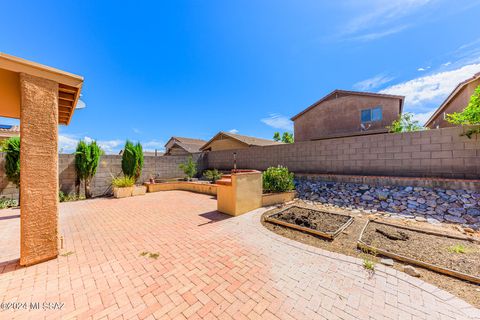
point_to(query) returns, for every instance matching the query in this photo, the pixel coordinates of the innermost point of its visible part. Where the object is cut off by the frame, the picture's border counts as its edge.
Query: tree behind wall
(470, 115)
(87, 157)
(11, 147)
(132, 160)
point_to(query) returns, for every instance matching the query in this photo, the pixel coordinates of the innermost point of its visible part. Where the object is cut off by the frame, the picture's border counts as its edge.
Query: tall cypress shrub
(132, 160)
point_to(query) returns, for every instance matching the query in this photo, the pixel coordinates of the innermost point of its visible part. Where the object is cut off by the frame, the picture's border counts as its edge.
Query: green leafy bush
(189, 168)
(470, 115)
(123, 182)
(87, 157)
(8, 203)
(277, 179)
(212, 175)
(12, 159)
(132, 160)
(405, 123)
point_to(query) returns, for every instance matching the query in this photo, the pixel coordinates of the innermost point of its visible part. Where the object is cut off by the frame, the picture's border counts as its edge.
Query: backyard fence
(438, 153)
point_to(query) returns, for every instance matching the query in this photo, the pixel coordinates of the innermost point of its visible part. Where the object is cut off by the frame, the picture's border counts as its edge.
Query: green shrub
(405, 123)
(8, 203)
(189, 168)
(12, 159)
(470, 115)
(123, 182)
(87, 157)
(62, 197)
(212, 175)
(132, 160)
(277, 179)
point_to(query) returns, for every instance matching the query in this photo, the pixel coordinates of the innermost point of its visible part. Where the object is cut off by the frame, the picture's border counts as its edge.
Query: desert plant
(405, 123)
(64, 197)
(87, 157)
(11, 147)
(189, 167)
(212, 175)
(123, 182)
(470, 115)
(277, 179)
(132, 160)
(8, 203)
(458, 248)
(368, 264)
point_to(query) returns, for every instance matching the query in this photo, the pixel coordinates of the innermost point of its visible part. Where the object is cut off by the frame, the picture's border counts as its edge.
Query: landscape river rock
(432, 205)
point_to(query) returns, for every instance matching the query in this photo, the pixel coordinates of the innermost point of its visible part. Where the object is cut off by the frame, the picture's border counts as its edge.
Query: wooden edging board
(328, 235)
(457, 274)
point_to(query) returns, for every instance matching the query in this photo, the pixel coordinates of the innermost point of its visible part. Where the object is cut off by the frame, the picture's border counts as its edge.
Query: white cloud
(233, 131)
(80, 104)
(446, 64)
(279, 122)
(379, 34)
(375, 19)
(372, 83)
(68, 143)
(423, 68)
(137, 131)
(423, 117)
(153, 145)
(424, 91)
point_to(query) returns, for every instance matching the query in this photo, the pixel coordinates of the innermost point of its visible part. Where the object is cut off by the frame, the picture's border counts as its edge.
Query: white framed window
(371, 115)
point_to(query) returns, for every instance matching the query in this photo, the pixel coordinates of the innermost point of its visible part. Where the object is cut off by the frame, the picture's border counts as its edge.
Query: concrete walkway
(208, 266)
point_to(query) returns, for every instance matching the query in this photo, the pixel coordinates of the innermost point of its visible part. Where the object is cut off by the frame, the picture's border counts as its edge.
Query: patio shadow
(214, 216)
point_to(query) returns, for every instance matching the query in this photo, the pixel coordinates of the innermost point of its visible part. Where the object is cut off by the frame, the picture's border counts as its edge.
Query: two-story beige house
(455, 102)
(347, 113)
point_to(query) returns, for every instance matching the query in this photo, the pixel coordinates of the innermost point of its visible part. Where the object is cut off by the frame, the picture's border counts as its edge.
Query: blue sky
(193, 68)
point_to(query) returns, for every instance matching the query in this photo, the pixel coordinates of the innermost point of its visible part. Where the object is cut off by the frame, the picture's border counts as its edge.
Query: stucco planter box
(139, 190)
(270, 199)
(122, 192)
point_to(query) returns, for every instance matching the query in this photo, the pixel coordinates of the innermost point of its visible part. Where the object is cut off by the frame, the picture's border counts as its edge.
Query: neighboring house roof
(343, 93)
(188, 144)
(7, 131)
(451, 96)
(250, 141)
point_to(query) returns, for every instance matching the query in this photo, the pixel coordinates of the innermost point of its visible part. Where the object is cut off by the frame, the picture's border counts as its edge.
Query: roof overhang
(69, 86)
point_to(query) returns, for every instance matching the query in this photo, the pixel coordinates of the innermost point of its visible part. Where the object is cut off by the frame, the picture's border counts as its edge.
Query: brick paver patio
(209, 266)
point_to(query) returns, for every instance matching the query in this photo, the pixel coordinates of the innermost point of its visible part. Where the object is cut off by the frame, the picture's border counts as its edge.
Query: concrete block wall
(110, 166)
(440, 153)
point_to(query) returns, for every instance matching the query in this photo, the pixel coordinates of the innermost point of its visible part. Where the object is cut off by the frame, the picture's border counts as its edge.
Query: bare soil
(312, 219)
(436, 250)
(346, 243)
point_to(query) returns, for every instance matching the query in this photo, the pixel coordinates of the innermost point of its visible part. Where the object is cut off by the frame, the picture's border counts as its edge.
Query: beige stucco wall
(226, 143)
(457, 104)
(242, 195)
(39, 174)
(342, 116)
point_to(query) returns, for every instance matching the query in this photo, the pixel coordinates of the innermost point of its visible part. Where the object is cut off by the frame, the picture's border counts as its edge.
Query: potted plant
(132, 165)
(123, 186)
(278, 186)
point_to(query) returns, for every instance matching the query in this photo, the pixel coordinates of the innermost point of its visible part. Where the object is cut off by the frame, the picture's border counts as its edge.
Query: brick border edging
(467, 309)
(442, 183)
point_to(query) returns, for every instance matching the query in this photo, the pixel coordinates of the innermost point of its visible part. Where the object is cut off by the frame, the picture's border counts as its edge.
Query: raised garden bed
(453, 255)
(321, 223)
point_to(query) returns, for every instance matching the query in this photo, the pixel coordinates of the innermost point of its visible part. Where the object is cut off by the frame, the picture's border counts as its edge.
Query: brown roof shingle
(250, 141)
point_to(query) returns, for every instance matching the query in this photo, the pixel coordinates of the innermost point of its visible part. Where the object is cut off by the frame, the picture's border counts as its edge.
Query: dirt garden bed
(453, 255)
(346, 243)
(321, 223)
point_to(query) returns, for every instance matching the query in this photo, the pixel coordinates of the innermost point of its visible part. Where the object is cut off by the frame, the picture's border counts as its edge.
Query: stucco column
(38, 169)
